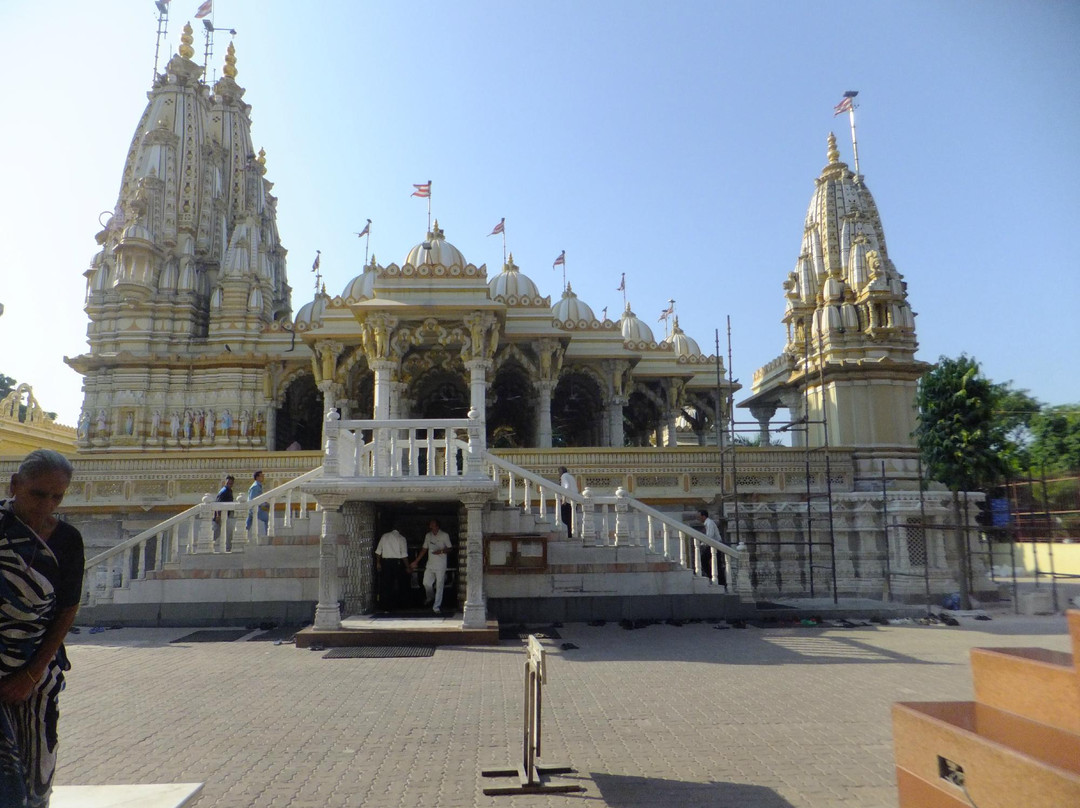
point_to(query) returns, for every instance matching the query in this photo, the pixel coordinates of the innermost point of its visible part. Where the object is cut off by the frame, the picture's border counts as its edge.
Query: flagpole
(367, 242)
(622, 286)
(564, 271)
(854, 144)
(429, 207)
(504, 241)
(162, 30)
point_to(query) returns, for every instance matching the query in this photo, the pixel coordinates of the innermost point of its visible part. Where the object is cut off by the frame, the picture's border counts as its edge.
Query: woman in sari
(41, 568)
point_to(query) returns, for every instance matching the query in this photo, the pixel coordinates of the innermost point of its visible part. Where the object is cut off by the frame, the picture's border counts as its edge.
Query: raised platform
(164, 795)
(400, 630)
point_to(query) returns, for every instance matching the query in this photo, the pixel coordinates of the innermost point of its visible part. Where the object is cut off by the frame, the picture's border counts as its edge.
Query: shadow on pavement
(624, 791)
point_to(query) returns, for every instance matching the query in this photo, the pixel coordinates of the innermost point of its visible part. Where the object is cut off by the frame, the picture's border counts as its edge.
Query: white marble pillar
(475, 613)
(382, 368)
(543, 414)
(328, 610)
(763, 413)
(616, 438)
(478, 370)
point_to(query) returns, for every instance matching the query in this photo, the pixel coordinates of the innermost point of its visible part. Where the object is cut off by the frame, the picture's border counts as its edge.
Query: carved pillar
(544, 389)
(383, 368)
(331, 391)
(616, 437)
(328, 610)
(204, 541)
(763, 413)
(475, 613)
(478, 370)
(622, 517)
(795, 403)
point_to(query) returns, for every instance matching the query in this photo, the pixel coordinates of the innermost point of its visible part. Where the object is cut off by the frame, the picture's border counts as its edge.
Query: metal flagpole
(429, 206)
(367, 241)
(162, 30)
(851, 119)
(504, 240)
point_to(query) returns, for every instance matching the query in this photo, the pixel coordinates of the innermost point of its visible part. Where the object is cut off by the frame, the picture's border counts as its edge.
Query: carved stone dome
(682, 344)
(311, 313)
(362, 287)
(436, 251)
(633, 329)
(572, 311)
(512, 286)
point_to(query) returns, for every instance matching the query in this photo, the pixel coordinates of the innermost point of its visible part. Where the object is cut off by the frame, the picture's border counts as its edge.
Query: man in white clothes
(391, 557)
(436, 547)
(710, 529)
(567, 481)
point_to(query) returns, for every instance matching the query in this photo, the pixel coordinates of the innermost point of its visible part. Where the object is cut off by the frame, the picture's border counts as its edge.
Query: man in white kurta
(436, 547)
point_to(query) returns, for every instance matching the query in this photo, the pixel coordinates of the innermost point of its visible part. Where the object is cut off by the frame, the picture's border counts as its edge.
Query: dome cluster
(435, 257)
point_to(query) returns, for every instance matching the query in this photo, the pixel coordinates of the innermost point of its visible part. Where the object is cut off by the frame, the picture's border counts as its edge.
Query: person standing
(712, 530)
(224, 495)
(41, 570)
(263, 511)
(436, 547)
(391, 556)
(567, 481)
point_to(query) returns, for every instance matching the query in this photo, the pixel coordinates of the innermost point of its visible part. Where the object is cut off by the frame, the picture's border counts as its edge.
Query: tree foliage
(1055, 439)
(962, 441)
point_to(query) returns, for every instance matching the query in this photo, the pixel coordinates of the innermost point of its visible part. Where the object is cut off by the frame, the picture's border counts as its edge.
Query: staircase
(1016, 744)
(625, 560)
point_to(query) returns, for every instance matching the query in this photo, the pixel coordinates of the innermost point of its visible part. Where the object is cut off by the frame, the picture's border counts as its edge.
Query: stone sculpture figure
(101, 422)
(210, 424)
(155, 424)
(243, 423)
(174, 425)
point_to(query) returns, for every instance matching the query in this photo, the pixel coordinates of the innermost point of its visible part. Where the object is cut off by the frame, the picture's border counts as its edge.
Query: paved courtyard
(661, 715)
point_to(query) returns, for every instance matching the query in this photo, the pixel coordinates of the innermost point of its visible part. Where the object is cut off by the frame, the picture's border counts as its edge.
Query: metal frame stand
(530, 771)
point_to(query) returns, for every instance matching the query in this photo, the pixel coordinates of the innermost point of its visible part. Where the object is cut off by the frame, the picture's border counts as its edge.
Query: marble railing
(209, 527)
(620, 520)
(402, 448)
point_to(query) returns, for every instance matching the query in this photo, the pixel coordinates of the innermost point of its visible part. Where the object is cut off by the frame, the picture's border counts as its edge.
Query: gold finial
(437, 233)
(373, 264)
(186, 40)
(834, 155)
(261, 159)
(230, 62)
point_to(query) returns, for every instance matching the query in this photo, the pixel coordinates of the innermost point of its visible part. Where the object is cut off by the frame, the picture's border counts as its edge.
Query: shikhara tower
(190, 274)
(848, 365)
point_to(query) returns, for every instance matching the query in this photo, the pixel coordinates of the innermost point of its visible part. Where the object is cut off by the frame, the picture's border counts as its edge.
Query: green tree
(963, 445)
(7, 384)
(1055, 439)
(1015, 411)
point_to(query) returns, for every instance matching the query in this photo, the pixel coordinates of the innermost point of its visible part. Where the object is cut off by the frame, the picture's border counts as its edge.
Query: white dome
(435, 251)
(362, 287)
(512, 286)
(633, 329)
(682, 344)
(571, 310)
(311, 313)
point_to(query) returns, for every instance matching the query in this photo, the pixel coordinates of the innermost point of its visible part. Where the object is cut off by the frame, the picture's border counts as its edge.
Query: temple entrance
(299, 418)
(440, 394)
(406, 596)
(641, 420)
(511, 417)
(577, 408)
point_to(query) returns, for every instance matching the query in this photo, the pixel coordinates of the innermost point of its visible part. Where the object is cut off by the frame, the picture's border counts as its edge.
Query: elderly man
(436, 547)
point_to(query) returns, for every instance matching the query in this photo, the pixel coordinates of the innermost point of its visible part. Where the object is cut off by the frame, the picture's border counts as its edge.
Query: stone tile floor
(662, 715)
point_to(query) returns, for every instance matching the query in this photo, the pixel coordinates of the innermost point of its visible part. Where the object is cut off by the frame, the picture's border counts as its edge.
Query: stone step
(168, 795)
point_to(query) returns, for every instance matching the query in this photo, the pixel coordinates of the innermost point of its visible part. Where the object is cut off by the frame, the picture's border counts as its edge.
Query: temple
(427, 389)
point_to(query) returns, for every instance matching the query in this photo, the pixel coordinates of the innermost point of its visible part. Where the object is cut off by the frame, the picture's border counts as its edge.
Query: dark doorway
(441, 394)
(412, 520)
(299, 418)
(577, 408)
(511, 418)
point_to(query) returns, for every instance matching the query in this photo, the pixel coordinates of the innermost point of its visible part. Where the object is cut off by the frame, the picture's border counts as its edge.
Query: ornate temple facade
(197, 367)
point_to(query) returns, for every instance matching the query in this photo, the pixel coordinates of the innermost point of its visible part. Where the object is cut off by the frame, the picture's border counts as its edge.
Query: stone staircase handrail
(161, 544)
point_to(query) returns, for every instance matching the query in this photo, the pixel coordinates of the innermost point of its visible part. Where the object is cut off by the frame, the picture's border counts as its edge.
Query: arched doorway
(360, 387)
(577, 408)
(440, 394)
(511, 415)
(299, 418)
(641, 419)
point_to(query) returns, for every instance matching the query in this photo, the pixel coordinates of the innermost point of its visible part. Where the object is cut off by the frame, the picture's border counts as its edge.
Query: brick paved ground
(658, 716)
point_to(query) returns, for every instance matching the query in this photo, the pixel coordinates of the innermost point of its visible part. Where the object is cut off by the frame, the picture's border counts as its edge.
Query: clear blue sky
(676, 142)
